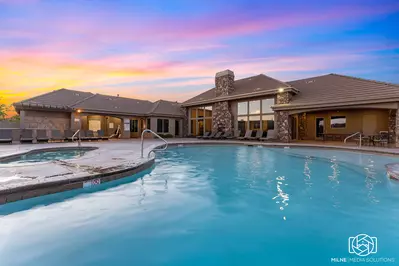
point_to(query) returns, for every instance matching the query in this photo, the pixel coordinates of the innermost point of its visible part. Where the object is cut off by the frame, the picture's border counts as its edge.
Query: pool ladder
(79, 140)
(354, 134)
(156, 149)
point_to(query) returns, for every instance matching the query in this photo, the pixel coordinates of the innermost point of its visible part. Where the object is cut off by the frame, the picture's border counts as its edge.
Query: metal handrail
(155, 134)
(354, 134)
(73, 136)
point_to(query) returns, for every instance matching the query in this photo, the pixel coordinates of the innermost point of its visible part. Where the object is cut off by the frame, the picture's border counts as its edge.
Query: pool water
(214, 205)
(42, 156)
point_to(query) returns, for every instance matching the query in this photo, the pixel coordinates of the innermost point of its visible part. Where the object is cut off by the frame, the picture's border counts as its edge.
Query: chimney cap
(225, 73)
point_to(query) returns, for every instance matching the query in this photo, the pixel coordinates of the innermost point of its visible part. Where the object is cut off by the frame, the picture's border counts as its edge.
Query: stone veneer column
(222, 119)
(392, 125)
(282, 118)
(185, 122)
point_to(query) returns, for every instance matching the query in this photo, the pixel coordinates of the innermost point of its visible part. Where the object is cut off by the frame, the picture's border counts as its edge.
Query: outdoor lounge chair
(101, 135)
(206, 134)
(56, 135)
(210, 135)
(236, 135)
(68, 134)
(217, 135)
(226, 135)
(247, 135)
(41, 135)
(271, 135)
(26, 135)
(117, 133)
(258, 135)
(5, 135)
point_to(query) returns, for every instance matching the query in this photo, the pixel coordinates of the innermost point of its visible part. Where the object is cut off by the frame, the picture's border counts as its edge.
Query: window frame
(337, 116)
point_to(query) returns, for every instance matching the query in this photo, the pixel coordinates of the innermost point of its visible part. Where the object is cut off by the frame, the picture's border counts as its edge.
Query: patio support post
(282, 117)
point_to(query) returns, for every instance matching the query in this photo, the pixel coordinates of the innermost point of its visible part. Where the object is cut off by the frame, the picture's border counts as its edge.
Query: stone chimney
(224, 82)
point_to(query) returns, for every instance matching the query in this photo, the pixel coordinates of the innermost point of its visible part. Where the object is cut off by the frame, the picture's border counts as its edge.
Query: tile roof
(333, 89)
(72, 100)
(260, 84)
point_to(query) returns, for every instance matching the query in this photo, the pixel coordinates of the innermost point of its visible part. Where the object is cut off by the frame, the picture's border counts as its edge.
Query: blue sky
(172, 49)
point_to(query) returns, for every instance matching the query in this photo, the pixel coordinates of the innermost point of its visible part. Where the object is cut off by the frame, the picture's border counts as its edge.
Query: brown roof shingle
(333, 89)
(257, 84)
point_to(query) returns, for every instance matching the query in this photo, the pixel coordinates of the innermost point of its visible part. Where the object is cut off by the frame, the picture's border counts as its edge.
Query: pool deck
(118, 157)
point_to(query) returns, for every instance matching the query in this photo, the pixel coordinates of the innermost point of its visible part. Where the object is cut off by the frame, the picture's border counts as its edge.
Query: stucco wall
(367, 121)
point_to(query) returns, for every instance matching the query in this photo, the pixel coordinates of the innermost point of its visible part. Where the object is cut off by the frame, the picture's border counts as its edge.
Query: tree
(3, 111)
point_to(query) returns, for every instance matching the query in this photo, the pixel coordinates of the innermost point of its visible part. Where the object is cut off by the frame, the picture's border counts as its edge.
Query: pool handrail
(73, 136)
(155, 134)
(354, 134)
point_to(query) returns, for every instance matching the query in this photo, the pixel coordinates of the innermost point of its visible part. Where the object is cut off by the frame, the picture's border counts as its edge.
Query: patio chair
(247, 135)
(90, 135)
(226, 135)
(68, 134)
(381, 139)
(210, 135)
(117, 133)
(56, 135)
(41, 135)
(101, 135)
(206, 134)
(236, 135)
(26, 135)
(217, 135)
(5, 135)
(271, 135)
(257, 136)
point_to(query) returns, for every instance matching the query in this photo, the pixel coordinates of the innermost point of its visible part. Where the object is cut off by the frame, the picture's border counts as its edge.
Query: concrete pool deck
(111, 160)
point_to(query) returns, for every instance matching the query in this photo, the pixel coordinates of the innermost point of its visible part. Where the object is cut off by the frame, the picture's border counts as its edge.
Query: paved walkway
(117, 154)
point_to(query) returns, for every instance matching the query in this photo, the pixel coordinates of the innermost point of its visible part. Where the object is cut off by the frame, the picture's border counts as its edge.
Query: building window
(134, 126)
(200, 120)
(338, 122)
(255, 115)
(163, 125)
(148, 123)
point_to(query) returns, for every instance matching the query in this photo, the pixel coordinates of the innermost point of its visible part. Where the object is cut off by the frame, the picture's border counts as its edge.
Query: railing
(74, 135)
(354, 134)
(155, 134)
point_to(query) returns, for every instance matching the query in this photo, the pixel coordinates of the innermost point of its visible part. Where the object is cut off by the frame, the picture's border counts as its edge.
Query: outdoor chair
(101, 135)
(257, 136)
(217, 135)
(226, 135)
(26, 135)
(271, 135)
(206, 134)
(5, 135)
(247, 135)
(236, 135)
(381, 139)
(210, 136)
(41, 135)
(56, 135)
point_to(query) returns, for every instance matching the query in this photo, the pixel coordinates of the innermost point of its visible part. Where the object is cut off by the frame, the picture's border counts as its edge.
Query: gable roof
(243, 88)
(69, 100)
(339, 90)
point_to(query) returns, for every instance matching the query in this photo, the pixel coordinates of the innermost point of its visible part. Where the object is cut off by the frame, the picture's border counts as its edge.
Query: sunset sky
(172, 49)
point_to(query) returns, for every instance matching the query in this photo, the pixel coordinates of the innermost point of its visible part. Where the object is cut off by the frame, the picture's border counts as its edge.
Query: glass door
(319, 127)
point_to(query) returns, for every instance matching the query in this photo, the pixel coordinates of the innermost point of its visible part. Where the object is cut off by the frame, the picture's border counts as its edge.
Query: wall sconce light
(281, 90)
(79, 110)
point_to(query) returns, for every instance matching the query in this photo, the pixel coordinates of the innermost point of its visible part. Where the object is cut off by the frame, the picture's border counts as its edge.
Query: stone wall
(222, 117)
(45, 120)
(224, 82)
(185, 122)
(391, 125)
(282, 118)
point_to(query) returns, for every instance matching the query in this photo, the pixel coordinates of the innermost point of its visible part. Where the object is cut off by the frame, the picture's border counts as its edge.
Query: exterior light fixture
(281, 90)
(79, 110)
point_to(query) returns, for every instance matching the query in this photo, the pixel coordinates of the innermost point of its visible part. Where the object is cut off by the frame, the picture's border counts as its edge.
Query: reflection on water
(281, 198)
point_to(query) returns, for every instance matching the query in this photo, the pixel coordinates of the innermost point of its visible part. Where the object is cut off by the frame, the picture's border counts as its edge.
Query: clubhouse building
(330, 106)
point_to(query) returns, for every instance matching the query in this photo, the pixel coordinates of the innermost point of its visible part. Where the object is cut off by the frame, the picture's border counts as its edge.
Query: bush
(166, 136)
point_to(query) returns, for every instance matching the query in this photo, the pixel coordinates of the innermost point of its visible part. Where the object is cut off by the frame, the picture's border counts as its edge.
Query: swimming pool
(43, 155)
(214, 205)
